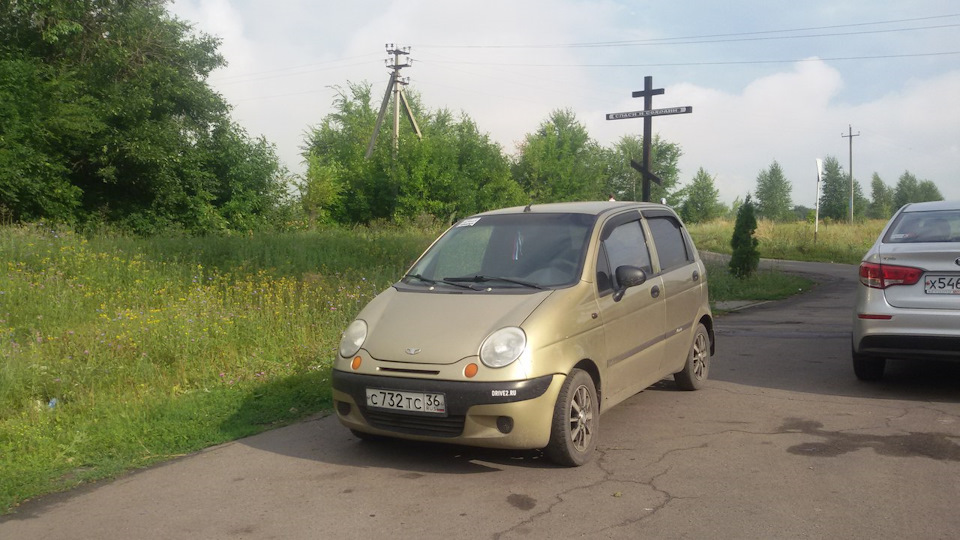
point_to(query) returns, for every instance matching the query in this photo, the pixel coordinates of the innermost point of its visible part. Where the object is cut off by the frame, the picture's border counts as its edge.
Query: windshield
(519, 251)
(932, 226)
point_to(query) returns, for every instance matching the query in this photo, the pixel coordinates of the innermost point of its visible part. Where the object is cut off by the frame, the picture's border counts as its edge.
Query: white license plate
(934, 284)
(396, 400)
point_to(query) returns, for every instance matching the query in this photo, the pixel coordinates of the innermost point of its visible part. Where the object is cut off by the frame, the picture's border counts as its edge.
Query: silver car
(908, 300)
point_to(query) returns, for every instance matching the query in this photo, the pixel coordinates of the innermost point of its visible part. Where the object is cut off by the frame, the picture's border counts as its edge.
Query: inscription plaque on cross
(647, 114)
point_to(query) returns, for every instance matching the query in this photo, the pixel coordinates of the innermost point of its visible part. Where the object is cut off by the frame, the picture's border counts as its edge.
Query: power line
(675, 64)
(709, 38)
(721, 63)
(315, 67)
(695, 41)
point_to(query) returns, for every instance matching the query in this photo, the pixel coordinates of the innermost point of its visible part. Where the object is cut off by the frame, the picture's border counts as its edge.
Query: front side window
(507, 251)
(625, 245)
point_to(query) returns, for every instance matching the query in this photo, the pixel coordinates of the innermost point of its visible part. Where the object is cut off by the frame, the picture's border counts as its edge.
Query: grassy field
(835, 242)
(118, 352)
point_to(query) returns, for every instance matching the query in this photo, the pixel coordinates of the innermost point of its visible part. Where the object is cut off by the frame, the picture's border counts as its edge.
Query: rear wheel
(868, 368)
(695, 371)
(576, 420)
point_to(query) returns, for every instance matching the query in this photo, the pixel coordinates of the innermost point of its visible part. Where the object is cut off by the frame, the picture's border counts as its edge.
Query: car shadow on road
(334, 444)
(825, 368)
(322, 438)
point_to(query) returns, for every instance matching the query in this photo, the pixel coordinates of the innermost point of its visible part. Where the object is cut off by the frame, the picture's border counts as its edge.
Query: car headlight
(503, 347)
(353, 338)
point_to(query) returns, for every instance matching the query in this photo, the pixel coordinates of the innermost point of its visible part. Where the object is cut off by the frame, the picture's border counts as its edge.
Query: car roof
(932, 206)
(587, 207)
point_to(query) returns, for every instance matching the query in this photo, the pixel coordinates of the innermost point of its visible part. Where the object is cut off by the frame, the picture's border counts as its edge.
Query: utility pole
(850, 135)
(395, 86)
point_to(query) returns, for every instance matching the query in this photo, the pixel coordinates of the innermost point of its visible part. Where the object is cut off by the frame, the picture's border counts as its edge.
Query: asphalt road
(784, 442)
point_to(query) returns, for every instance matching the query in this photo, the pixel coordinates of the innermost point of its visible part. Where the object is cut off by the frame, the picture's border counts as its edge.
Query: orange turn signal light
(355, 365)
(471, 370)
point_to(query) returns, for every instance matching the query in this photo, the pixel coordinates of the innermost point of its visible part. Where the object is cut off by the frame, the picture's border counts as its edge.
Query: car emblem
(957, 262)
(412, 351)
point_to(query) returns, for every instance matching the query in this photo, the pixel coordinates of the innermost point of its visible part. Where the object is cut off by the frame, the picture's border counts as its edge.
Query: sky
(779, 80)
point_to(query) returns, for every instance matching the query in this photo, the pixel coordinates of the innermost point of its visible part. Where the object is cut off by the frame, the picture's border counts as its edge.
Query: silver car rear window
(932, 226)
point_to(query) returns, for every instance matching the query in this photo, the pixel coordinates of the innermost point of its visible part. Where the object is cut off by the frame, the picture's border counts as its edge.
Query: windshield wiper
(484, 279)
(434, 281)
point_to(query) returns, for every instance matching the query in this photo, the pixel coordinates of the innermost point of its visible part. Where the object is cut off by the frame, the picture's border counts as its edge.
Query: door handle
(696, 275)
(655, 291)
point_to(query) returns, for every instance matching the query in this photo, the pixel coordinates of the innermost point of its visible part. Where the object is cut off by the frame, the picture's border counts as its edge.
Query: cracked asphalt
(783, 442)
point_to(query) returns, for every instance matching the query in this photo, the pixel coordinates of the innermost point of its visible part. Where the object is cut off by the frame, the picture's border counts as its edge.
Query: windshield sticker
(468, 222)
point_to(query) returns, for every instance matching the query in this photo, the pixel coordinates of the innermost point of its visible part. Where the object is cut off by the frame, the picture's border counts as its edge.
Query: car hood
(440, 328)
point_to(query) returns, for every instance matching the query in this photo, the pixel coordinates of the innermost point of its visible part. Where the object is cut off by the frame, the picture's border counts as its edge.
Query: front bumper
(475, 410)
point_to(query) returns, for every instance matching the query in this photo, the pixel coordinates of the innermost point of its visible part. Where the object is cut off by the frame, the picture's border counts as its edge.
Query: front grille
(431, 426)
(411, 371)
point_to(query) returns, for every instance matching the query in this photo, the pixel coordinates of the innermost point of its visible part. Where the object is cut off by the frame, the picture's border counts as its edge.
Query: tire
(868, 368)
(576, 421)
(697, 367)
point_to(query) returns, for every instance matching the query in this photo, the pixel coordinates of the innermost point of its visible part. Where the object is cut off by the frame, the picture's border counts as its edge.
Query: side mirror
(628, 276)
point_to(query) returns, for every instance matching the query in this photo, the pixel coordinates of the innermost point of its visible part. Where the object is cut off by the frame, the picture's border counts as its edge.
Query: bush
(746, 255)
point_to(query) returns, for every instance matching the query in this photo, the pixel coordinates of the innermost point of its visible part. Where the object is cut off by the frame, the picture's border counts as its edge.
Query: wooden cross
(647, 113)
(647, 94)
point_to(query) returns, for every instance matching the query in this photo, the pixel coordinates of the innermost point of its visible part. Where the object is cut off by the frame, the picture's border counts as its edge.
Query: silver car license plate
(396, 400)
(940, 284)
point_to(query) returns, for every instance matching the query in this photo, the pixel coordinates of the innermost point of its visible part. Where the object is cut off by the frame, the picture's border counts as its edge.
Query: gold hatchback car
(518, 327)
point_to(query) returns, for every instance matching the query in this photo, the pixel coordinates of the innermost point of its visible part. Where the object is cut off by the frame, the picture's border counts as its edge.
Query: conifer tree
(746, 256)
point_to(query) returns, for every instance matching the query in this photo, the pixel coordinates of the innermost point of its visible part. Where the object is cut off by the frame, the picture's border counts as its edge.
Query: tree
(560, 162)
(802, 213)
(773, 194)
(910, 190)
(625, 182)
(321, 189)
(454, 171)
(881, 199)
(702, 201)
(928, 191)
(906, 189)
(746, 257)
(108, 116)
(835, 193)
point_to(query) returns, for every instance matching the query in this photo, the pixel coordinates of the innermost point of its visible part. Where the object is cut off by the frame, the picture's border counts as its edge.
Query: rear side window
(916, 227)
(671, 246)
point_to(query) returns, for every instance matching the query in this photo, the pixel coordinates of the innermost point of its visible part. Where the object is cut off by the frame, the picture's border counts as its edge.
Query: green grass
(119, 352)
(116, 353)
(762, 285)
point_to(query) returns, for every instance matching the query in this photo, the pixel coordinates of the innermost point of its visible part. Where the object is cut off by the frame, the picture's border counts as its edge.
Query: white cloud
(793, 117)
(285, 56)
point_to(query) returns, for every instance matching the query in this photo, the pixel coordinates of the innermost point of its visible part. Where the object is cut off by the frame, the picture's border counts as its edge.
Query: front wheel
(576, 421)
(695, 371)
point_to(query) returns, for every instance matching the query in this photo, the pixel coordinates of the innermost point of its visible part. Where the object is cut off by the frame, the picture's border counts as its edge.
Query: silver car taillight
(881, 276)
